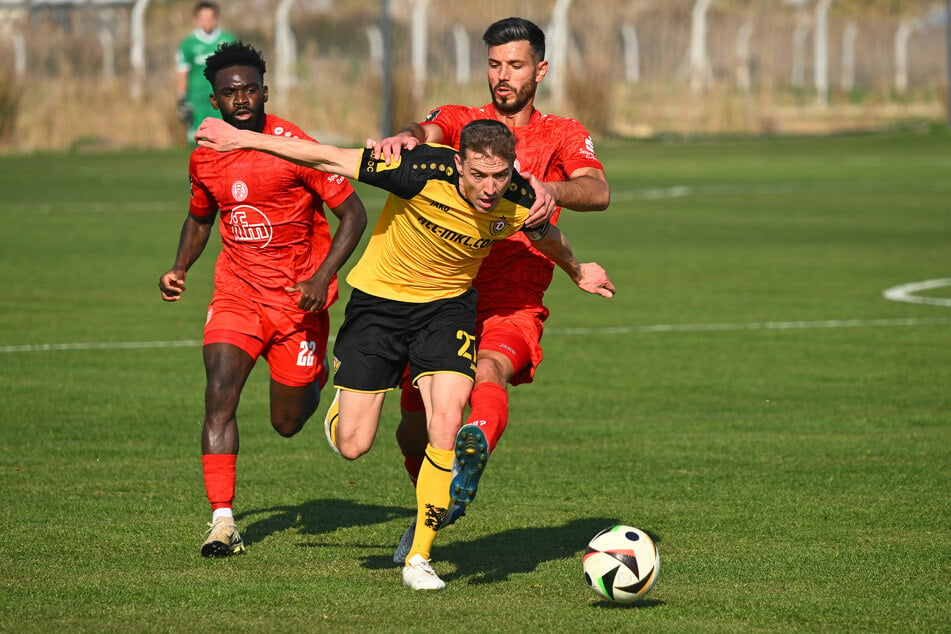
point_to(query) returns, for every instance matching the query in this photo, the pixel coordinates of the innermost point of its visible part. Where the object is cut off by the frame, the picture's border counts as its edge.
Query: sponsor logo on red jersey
(250, 226)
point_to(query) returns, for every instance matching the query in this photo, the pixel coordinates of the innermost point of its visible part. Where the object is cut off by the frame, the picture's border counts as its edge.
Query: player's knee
(493, 369)
(352, 451)
(287, 430)
(218, 422)
(288, 425)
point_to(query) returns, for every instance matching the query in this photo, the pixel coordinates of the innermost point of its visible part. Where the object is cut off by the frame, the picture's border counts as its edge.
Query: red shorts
(515, 333)
(293, 343)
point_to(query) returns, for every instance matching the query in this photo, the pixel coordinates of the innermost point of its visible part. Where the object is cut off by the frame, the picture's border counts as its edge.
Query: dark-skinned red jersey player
(274, 278)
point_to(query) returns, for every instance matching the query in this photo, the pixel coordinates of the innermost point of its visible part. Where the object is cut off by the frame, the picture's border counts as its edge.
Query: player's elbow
(594, 203)
(602, 196)
(596, 197)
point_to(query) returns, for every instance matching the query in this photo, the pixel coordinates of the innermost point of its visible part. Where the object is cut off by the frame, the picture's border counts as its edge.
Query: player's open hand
(389, 149)
(217, 135)
(594, 279)
(544, 205)
(172, 285)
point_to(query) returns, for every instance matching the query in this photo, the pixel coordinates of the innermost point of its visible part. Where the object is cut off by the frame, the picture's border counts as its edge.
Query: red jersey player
(274, 278)
(513, 278)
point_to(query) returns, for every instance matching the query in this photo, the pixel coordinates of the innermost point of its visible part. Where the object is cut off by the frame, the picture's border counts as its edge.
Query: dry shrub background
(66, 99)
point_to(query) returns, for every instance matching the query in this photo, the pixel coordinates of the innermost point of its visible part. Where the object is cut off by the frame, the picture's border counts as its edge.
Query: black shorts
(379, 337)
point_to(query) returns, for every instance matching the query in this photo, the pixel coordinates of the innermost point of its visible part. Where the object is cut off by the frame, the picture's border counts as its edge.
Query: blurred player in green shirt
(191, 87)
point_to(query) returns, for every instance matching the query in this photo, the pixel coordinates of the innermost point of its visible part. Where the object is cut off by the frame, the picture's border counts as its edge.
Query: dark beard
(255, 123)
(522, 97)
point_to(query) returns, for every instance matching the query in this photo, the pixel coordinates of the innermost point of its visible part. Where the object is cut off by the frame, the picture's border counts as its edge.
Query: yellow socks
(432, 498)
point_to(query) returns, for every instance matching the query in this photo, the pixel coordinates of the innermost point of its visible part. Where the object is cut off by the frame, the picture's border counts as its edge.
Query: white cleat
(223, 539)
(406, 541)
(419, 575)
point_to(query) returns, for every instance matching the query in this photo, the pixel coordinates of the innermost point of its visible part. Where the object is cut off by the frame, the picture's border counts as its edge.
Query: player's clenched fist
(172, 285)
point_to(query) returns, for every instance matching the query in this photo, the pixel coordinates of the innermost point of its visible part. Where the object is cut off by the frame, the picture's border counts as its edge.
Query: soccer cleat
(330, 423)
(406, 541)
(223, 539)
(472, 452)
(418, 574)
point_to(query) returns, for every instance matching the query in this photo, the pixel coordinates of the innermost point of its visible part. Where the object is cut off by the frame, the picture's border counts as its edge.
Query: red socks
(219, 469)
(490, 411)
(489, 404)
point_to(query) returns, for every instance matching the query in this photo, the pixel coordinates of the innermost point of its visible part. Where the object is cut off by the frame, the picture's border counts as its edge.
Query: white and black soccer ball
(621, 563)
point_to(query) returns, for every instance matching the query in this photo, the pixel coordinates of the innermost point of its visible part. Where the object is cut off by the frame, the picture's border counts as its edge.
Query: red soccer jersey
(273, 225)
(515, 274)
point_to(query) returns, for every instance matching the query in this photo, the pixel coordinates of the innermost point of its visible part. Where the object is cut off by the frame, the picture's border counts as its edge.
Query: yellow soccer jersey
(429, 240)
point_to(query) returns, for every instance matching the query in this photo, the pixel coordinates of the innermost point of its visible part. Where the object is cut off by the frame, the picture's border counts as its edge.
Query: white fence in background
(829, 48)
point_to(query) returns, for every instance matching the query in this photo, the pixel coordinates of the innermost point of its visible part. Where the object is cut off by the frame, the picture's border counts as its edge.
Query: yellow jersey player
(412, 301)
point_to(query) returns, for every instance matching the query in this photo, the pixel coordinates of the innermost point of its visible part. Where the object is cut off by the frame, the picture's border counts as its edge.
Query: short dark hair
(516, 30)
(231, 54)
(488, 136)
(207, 5)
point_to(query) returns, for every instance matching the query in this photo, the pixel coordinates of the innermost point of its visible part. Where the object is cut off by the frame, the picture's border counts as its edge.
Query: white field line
(766, 325)
(766, 189)
(91, 207)
(550, 332)
(906, 293)
(105, 345)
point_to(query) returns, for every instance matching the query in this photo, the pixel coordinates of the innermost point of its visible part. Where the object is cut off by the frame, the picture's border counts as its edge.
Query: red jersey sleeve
(331, 188)
(576, 149)
(201, 201)
(451, 120)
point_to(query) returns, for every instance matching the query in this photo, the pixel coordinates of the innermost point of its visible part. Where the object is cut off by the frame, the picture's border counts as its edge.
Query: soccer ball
(621, 563)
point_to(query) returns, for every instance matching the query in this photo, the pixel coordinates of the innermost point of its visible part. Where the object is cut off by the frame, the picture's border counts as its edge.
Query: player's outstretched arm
(589, 276)
(217, 135)
(409, 136)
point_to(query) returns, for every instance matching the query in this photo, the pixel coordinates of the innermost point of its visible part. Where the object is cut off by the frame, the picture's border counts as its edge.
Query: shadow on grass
(315, 517)
(636, 605)
(488, 559)
(495, 557)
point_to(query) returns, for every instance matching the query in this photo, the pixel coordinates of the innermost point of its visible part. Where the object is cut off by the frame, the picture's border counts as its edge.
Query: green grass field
(749, 398)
